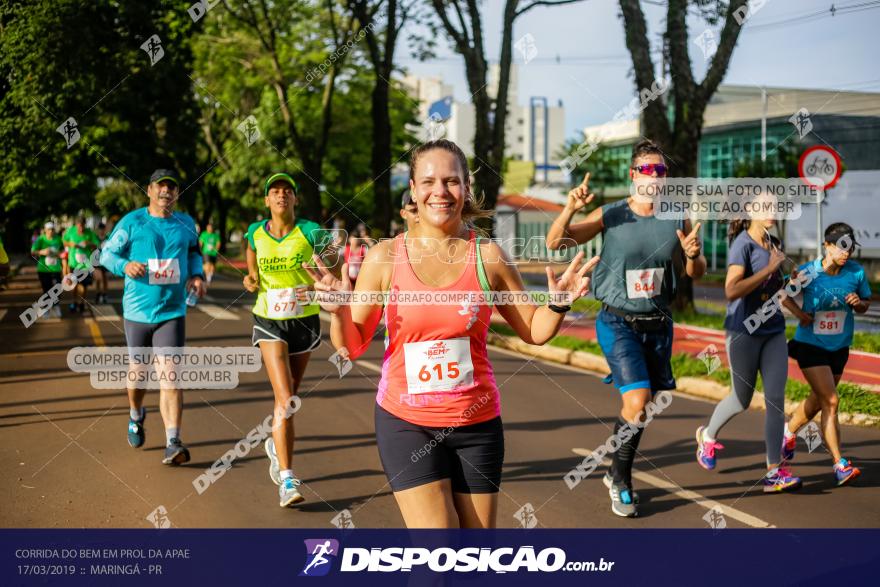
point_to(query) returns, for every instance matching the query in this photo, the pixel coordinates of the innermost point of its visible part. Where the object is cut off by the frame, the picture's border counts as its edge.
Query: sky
(777, 47)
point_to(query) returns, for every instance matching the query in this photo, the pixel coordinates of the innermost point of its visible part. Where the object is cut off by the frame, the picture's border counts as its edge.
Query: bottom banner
(433, 557)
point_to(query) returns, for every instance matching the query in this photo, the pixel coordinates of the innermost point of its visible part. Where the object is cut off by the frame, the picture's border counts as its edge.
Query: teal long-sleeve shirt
(168, 248)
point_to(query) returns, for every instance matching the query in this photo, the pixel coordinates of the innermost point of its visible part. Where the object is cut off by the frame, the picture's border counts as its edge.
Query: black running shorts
(302, 335)
(412, 455)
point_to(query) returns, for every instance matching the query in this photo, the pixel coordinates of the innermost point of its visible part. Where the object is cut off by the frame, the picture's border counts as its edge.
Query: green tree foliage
(298, 68)
(65, 59)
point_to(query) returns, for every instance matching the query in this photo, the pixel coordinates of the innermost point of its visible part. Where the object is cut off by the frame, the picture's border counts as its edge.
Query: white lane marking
(105, 313)
(47, 318)
(370, 366)
(216, 312)
(705, 502)
(704, 330)
(693, 496)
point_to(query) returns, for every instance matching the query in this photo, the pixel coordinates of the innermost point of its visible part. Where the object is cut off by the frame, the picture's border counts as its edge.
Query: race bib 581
(830, 322)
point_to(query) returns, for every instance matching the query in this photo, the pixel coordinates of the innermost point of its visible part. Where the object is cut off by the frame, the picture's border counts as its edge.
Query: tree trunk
(212, 199)
(222, 218)
(476, 75)
(680, 140)
(685, 154)
(309, 197)
(381, 155)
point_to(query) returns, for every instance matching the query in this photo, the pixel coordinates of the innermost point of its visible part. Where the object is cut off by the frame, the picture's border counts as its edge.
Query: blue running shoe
(288, 492)
(608, 480)
(175, 453)
(622, 503)
(136, 433)
(845, 472)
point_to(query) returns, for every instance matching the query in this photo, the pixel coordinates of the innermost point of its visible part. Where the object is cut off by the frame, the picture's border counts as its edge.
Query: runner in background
(356, 251)
(642, 258)
(80, 242)
(210, 243)
(100, 273)
(286, 327)
(754, 259)
(47, 248)
(157, 251)
(409, 211)
(4, 265)
(65, 265)
(837, 287)
(437, 412)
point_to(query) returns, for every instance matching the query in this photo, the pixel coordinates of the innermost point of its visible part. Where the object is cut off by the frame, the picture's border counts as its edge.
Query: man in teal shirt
(156, 249)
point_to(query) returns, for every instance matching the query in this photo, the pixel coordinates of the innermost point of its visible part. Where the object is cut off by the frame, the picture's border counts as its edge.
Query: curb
(693, 386)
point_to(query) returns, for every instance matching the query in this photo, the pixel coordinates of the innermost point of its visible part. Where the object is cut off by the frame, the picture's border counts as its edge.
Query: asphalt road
(66, 462)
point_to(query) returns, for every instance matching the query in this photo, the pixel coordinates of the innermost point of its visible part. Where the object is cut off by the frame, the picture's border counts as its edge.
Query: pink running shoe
(706, 450)
(780, 479)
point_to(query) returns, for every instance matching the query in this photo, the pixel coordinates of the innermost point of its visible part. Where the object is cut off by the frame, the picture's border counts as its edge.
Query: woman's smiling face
(439, 187)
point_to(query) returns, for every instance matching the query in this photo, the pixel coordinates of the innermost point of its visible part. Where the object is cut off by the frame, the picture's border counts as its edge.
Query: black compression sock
(622, 462)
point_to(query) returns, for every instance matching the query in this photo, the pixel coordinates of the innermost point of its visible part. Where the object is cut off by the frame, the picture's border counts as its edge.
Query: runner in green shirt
(48, 248)
(286, 326)
(209, 241)
(100, 273)
(4, 266)
(80, 242)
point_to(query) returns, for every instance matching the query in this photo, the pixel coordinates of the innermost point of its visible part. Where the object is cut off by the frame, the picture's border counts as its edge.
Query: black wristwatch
(559, 309)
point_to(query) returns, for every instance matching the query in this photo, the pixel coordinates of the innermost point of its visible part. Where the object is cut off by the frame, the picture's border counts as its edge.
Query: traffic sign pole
(827, 171)
(819, 237)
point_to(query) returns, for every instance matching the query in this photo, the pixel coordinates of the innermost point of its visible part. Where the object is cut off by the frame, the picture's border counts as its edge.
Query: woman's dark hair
(734, 227)
(473, 205)
(835, 229)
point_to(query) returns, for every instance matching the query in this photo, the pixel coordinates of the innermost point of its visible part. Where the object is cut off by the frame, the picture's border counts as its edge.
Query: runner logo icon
(811, 435)
(319, 556)
(437, 350)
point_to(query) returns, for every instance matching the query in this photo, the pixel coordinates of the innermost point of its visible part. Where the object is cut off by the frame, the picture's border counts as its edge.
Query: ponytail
(734, 227)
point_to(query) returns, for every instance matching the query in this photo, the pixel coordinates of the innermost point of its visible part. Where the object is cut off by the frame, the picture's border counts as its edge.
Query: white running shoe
(288, 492)
(274, 469)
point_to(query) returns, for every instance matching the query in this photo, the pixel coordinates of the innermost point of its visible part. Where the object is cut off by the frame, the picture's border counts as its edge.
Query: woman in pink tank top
(438, 411)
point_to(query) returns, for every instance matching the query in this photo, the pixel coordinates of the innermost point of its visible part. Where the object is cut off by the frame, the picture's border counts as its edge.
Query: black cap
(842, 235)
(164, 174)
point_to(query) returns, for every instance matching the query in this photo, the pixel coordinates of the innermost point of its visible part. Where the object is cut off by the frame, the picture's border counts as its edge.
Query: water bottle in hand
(193, 298)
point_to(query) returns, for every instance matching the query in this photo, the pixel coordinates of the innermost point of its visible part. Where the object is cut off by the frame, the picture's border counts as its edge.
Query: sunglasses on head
(650, 168)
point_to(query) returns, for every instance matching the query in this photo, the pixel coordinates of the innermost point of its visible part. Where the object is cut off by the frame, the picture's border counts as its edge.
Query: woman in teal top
(834, 288)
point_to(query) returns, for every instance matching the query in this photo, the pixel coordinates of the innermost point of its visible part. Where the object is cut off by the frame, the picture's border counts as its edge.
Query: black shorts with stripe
(302, 335)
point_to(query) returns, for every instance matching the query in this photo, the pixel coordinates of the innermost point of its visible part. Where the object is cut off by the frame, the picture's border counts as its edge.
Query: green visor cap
(163, 175)
(282, 176)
